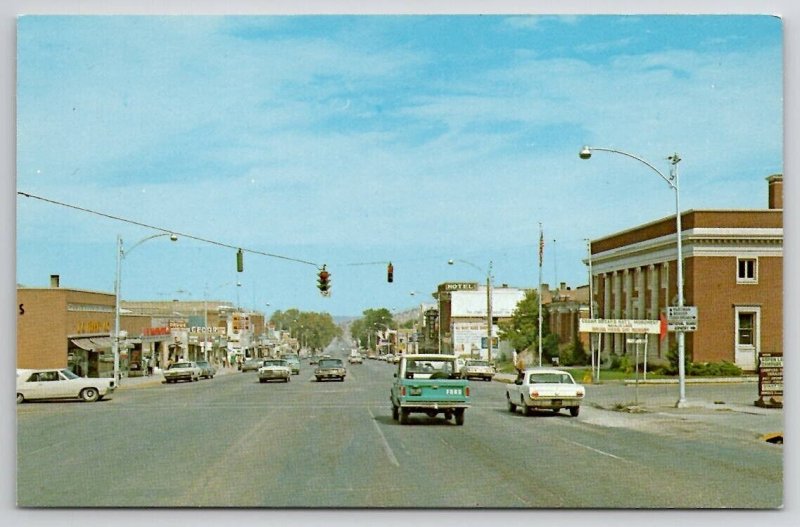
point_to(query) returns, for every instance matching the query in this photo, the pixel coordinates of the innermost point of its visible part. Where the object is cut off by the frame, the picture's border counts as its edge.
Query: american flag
(541, 247)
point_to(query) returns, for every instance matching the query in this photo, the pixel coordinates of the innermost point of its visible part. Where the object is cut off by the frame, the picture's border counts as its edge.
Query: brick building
(733, 273)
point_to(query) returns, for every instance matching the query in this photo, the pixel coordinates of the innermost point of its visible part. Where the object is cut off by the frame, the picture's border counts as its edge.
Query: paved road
(233, 442)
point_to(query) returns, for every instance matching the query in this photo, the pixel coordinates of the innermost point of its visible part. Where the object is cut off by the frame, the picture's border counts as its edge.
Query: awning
(94, 343)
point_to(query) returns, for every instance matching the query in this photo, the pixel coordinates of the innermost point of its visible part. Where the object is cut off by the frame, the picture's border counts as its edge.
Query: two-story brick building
(733, 273)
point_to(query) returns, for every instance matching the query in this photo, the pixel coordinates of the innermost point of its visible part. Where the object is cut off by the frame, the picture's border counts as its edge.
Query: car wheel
(262, 381)
(404, 413)
(89, 395)
(459, 416)
(20, 398)
(574, 410)
(526, 410)
(395, 410)
(511, 406)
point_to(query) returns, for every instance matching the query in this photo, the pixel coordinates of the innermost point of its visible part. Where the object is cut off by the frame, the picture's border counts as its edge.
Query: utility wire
(167, 231)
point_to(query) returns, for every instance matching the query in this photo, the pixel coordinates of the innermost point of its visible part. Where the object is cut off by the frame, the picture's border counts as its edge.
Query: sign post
(770, 380)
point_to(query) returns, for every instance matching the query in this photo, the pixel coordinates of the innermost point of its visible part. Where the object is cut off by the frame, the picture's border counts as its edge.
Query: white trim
(745, 355)
(746, 280)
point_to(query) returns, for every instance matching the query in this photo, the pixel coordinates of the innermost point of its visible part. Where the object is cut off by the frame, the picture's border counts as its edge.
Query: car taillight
(581, 393)
(403, 391)
(466, 391)
(534, 393)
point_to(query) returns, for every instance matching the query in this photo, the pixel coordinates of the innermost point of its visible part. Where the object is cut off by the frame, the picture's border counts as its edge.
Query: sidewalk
(158, 378)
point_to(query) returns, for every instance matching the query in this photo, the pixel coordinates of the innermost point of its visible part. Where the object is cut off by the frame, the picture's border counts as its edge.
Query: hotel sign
(459, 286)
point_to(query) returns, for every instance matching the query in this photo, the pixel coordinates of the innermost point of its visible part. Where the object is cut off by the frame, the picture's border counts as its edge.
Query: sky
(353, 141)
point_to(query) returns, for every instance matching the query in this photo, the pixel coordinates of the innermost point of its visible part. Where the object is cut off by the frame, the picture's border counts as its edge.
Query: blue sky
(348, 140)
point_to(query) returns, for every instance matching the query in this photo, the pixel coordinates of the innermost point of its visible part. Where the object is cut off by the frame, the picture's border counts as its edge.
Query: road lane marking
(598, 451)
(386, 447)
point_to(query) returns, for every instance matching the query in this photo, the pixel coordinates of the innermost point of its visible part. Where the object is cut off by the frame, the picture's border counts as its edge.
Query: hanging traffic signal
(390, 273)
(239, 261)
(323, 282)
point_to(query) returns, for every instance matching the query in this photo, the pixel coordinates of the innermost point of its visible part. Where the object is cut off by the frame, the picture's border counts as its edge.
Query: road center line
(386, 447)
(598, 451)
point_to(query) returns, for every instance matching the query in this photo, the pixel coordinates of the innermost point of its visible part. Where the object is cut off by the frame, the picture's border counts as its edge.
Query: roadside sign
(682, 318)
(770, 380)
(608, 325)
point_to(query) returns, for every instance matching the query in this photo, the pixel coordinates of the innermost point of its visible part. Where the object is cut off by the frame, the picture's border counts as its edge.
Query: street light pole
(117, 286)
(674, 183)
(488, 303)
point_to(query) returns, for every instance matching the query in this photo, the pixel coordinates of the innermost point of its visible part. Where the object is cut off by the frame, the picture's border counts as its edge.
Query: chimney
(54, 281)
(775, 200)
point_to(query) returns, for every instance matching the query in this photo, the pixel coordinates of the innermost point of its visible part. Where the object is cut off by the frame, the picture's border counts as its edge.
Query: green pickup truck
(429, 384)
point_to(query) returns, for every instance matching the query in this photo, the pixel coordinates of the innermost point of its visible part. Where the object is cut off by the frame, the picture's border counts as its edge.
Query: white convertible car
(58, 383)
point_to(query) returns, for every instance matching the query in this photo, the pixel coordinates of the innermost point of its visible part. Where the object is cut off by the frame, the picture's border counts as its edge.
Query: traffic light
(323, 283)
(239, 261)
(390, 273)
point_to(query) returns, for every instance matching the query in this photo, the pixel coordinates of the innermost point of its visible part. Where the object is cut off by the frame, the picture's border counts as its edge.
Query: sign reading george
(609, 325)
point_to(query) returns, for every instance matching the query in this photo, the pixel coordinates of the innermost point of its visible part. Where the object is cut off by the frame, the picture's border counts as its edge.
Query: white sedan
(182, 371)
(275, 370)
(545, 388)
(59, 383)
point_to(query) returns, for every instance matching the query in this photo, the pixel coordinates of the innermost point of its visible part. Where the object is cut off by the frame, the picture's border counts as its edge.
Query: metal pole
(489, 309)
(591, 315)
(541, 252)
(674, 159)
(117, 281)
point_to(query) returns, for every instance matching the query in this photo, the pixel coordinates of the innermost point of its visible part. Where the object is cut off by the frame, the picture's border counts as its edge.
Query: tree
(317, 330)
(522, 329)
(363, 330)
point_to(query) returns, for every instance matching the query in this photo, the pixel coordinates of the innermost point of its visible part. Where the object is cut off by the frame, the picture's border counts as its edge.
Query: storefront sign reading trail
(600, 325)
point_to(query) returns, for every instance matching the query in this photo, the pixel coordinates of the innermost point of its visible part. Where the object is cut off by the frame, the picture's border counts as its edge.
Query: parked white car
(545, 388)
(275, 370)
(56, 383)
(182, 371)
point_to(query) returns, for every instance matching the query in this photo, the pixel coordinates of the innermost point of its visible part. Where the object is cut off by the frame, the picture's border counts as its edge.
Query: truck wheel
(574, 410)
(404, 413)
(459, 416)
(511, 406)
(448, 416)
(395, 413)
(262, 381)
(20, 398)
(526, 410)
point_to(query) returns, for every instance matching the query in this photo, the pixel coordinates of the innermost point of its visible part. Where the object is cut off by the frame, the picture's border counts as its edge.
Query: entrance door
(748, 336)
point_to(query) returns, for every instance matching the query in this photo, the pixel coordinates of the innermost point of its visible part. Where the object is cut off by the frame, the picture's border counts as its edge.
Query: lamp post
(117, 285)
(673, 181)
(488, 303)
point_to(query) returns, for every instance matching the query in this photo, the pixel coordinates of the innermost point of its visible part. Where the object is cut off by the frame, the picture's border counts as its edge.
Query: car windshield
(330, 363)
(429, 366)
(477, 363)
(69, 375)
(274, 363)
(292, 360)
(202, 364)
(551, 378)
(181, 365)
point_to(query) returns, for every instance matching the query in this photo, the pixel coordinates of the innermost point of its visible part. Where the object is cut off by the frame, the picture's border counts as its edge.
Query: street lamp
(488, 302)
(117, 284)
(673, 181)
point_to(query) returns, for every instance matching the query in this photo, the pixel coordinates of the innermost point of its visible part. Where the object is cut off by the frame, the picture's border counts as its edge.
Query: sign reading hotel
(459, 286)
(609, 325)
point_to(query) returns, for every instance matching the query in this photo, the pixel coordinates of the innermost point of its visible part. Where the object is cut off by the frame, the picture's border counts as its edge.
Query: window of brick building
(746, 270)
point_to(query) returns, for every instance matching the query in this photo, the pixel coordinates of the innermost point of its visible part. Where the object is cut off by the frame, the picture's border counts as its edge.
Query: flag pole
(541, 255)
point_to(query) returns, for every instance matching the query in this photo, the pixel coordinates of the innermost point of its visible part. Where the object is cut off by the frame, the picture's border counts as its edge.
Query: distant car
(355, 358)
(274, 370)
(251, 364)
(182, 371)
(294, 364)
(313, 359)
(330, 369)
(545, 388)
(61, 383)
(207, 371)
(477, 369)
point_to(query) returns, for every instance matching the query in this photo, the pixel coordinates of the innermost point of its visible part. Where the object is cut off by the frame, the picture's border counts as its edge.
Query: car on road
(477, 369)
(313, 359)
(429, 384)
(61, 383)
(294, 364)
(207, 371)
(251, 364)
(182, 371)
(545, 388)
(274, 370)
(330, 369)
(355, 358)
